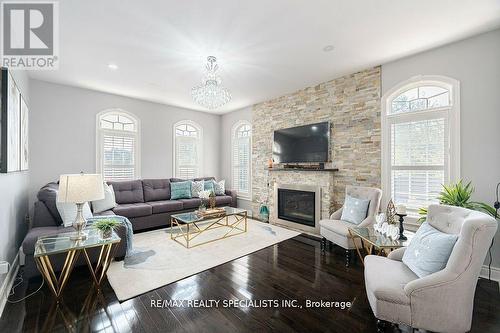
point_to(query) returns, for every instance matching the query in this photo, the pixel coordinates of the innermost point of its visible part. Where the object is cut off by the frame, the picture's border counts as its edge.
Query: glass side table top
(47, 245)
(191, 217)
(378, 239)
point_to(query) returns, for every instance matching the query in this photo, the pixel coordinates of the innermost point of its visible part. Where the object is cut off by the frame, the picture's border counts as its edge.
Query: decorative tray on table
(212, 212)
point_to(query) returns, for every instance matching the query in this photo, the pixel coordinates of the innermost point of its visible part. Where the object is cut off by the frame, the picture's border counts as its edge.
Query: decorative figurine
(390, 212)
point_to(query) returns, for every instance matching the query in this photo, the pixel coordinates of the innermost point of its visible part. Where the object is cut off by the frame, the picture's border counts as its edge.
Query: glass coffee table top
(60, 243)
(379, 240)
(192, 217)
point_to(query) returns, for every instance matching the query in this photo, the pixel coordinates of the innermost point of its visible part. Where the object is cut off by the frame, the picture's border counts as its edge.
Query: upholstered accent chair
(442, 301)
(335, 230)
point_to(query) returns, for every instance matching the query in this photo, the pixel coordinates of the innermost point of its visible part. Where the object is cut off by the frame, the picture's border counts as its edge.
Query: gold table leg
(106, 256)
(57, 284)
(356, 246)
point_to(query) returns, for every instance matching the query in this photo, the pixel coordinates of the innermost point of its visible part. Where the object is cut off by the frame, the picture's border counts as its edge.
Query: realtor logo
(30, 34)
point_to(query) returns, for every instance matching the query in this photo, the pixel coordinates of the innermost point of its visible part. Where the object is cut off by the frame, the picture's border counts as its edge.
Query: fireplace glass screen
(297, 206)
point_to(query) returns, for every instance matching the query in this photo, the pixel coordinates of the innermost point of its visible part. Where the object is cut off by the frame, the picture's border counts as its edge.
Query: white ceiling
(265, 48)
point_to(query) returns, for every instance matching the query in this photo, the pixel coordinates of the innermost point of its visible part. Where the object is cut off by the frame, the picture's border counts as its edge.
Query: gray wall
(63, 133)
(14, 197)
(475, 62)
(227, 122)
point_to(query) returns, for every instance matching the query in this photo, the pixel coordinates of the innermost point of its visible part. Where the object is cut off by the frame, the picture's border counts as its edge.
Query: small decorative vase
(202, 207)
(211, 202)
(264, 213)
(106, 234)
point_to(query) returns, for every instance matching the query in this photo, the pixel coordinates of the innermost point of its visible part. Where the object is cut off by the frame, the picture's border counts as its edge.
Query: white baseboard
(8, 282)
(495, 273)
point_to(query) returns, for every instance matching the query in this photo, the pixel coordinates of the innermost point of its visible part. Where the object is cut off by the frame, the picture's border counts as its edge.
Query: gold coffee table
(60, 244)
(190, 225)
(374, 242)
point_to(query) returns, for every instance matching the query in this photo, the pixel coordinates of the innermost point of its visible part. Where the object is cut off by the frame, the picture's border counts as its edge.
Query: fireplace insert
(297, 206)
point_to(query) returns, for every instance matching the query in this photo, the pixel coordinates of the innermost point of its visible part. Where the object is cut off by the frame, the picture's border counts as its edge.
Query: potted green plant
(106, 227)
(459, 194)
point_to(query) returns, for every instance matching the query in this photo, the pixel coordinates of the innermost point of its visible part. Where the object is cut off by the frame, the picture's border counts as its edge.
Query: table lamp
(78, 189)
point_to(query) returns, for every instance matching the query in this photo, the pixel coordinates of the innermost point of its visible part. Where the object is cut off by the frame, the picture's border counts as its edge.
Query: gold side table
(47, 246)
(374, 242)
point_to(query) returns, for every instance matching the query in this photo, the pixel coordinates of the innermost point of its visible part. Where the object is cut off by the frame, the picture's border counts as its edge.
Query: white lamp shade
(80, 188)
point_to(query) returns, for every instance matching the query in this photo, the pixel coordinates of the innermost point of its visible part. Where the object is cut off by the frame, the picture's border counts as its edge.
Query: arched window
(420, 140)
(118, 145)
(241, 157)
(187, 149)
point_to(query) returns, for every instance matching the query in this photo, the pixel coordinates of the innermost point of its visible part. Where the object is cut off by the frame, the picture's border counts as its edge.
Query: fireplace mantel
(302, 169)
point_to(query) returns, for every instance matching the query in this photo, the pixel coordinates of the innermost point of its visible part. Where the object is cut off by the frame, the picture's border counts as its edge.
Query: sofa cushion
(386, 279)
(127, 192)
(105, 213)
(223, 200)
(156, 189)
(34, 233)
(166, 206)
(133, 210)
(190, 203)
(48, 195)
(204, 178)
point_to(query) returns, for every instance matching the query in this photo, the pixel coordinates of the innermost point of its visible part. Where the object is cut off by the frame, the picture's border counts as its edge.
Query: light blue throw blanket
(126, 223)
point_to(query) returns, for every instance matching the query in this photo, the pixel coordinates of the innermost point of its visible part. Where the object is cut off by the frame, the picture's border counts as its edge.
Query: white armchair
(336, 231)
(442, 301)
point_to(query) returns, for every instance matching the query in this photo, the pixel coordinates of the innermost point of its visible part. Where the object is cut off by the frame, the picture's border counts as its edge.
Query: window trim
(452, 135)
(234, 128)
(200, 146)
(99, 138)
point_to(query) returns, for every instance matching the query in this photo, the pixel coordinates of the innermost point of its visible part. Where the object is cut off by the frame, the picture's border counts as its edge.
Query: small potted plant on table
(106, 227)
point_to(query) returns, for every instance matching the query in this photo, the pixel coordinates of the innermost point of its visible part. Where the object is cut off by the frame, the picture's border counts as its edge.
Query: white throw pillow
(109, 201)
(220, 187)
(354, 210)
(196, 188)
(67, 210)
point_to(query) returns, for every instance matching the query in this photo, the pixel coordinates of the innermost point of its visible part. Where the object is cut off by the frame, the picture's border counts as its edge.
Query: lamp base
(78, 236)
(79, 224)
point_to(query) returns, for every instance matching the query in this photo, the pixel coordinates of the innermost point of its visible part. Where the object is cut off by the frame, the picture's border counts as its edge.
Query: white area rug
(158, 260)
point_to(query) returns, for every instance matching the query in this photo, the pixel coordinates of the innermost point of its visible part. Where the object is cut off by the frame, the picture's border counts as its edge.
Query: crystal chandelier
(210, 93)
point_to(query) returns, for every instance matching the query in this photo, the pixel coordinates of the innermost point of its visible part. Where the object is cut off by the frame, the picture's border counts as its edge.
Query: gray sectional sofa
(146, 203)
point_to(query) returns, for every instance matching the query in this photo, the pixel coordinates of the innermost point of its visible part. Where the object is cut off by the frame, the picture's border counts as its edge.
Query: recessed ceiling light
(113, 66)
(328, 48)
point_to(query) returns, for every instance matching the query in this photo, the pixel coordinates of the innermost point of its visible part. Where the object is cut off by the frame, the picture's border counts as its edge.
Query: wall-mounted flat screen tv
(302, 144)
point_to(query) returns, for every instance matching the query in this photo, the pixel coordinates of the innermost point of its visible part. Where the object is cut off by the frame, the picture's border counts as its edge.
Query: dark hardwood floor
(292, 270)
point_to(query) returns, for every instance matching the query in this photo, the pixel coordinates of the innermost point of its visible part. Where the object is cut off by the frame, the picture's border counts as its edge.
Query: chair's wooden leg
(347, 255)
(381, 324)
(323, 244)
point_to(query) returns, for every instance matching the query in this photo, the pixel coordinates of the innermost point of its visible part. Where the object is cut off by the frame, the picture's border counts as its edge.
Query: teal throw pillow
(209, 185)
(354, 210)
(180, 190)
(429, 250)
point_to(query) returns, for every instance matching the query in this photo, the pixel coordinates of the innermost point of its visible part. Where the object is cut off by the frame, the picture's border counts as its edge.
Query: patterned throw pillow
(429, 250)
(209, 185)
(220, 187)
(197, 187)
(180, 190)
(355, 210)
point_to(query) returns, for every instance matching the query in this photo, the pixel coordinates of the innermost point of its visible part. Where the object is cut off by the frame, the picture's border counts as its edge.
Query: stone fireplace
(352, 106)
